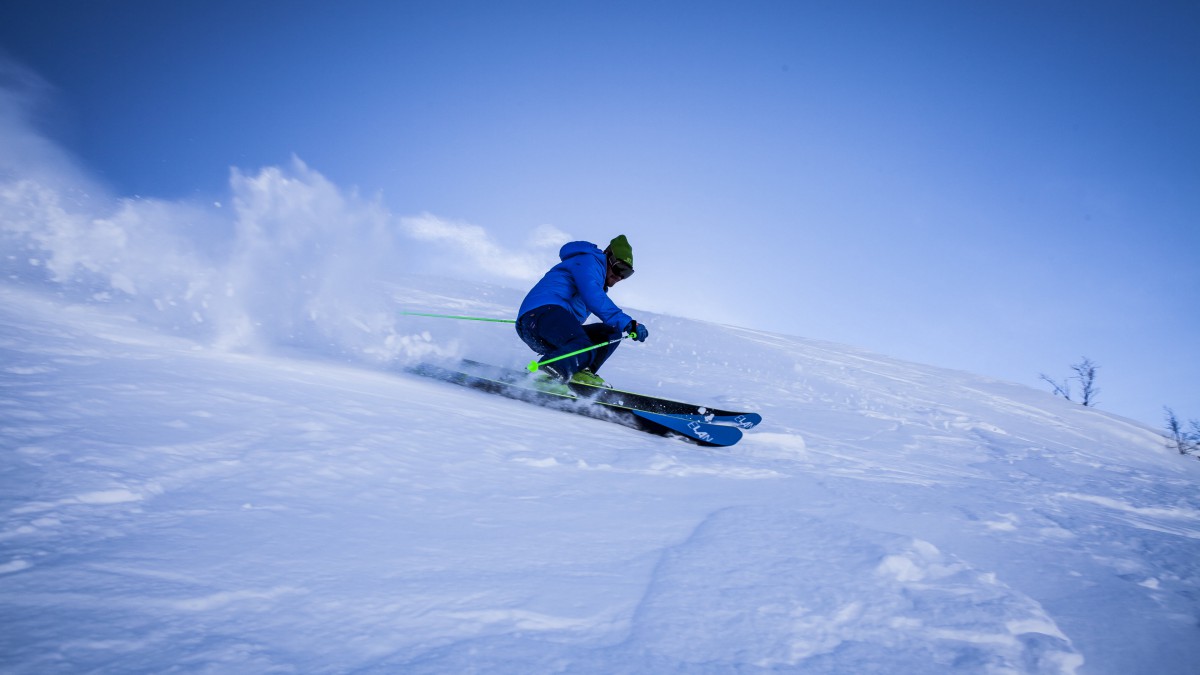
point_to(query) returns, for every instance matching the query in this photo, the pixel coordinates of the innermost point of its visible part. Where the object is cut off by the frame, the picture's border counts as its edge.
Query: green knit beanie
(620, 249)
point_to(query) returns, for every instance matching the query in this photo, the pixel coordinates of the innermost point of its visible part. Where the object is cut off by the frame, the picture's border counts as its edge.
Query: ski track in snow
(165, 506)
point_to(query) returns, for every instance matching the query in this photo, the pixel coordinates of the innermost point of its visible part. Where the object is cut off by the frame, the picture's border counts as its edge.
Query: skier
(552, 314)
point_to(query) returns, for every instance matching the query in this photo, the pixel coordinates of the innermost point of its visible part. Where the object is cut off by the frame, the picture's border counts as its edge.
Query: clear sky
(1000, 187)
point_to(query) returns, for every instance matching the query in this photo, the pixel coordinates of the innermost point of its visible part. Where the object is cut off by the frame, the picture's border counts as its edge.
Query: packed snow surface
(166, 505)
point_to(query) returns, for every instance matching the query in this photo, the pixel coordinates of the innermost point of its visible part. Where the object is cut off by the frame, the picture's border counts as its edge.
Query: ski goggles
(621, 269)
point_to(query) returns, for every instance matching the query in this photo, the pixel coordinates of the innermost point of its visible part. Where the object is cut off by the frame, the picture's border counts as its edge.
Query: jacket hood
(574, 248)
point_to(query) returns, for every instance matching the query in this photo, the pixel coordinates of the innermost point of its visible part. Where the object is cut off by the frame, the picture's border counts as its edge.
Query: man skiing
(552, 314)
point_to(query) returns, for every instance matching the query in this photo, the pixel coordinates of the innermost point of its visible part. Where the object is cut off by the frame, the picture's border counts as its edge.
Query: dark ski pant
(551, 330)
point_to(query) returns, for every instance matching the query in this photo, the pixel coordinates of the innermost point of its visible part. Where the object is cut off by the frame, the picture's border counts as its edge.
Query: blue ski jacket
(577, 284)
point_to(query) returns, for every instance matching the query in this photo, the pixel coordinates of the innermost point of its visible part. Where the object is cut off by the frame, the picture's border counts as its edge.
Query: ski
(654, 404)
(695, 430)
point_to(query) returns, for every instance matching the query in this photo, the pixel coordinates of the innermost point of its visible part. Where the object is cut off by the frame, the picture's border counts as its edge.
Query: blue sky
(1000, 187)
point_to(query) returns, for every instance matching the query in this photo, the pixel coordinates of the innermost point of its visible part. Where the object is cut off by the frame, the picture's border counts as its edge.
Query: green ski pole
(534, 364)
(455, 316)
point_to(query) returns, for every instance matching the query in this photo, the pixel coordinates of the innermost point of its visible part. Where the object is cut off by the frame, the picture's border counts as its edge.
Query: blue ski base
(691, 427)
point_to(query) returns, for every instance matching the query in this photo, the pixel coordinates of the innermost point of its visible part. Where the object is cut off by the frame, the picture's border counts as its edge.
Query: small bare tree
(1085, 374)
(1185, 442)
(1063, 390)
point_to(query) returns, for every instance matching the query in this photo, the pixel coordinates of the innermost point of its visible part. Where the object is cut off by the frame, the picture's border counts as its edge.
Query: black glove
(637, 331)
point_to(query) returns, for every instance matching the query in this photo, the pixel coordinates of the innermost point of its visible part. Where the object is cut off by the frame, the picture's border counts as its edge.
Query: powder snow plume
(289, 259)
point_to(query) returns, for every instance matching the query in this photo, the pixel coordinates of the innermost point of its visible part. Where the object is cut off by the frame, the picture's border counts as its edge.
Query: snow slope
(166, 505)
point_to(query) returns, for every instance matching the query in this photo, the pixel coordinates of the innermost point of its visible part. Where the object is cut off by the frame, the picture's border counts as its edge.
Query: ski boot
(586, 376)
(551, 381)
